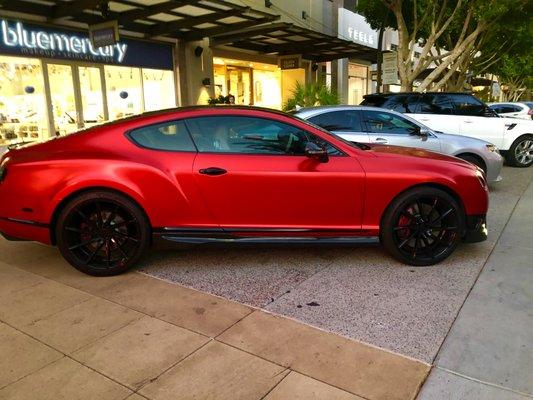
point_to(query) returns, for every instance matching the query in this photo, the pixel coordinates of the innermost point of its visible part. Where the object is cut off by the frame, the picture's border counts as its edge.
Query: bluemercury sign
(31, 40)
(354, 27)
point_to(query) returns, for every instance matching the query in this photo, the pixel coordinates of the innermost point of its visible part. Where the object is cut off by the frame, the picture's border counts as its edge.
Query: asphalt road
(360, 293)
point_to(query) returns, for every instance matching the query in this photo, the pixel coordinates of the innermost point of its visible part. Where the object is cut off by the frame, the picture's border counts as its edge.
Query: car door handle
(468, 122)
(213, 171)
(381, 140)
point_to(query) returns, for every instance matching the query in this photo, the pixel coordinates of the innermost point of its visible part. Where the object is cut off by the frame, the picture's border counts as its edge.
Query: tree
(450, 33)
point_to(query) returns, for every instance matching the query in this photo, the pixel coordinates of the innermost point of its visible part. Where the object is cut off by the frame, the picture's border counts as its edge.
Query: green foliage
(219, 100)
(314, 94)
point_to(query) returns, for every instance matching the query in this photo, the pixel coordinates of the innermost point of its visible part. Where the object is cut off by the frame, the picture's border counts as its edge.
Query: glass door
(239, 84)
(63, 99)
(92, 96)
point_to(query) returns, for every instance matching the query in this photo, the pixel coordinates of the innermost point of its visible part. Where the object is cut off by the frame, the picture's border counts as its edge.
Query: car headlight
(492, 148)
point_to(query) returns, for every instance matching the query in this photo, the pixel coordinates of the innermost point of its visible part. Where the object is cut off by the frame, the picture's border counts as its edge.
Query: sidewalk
(65, 335)
(488, 353)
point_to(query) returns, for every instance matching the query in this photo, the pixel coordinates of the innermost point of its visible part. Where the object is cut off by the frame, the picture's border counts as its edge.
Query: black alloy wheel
(422, 226)
(102, 233)
(520, 153)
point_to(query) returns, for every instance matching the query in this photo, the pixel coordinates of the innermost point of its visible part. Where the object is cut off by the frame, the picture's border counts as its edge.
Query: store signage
(29, 40)
(289, 62)
(104, 34)
(354, 27)
(389, 68)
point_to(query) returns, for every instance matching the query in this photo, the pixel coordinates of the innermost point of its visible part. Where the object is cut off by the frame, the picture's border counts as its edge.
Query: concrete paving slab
(491, 339)
(140, 351)
(36, 302)
(178, 305)
(296, 386)
(54, 267)
(518, 231)
(355, 367)
(217, 372)
(251, 275)
(21, 355)
(13, 279)
(443, 385)
(81, 324)
(64, 380)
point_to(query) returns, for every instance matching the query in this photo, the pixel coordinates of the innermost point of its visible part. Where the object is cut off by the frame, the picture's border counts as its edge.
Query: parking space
(360, 293)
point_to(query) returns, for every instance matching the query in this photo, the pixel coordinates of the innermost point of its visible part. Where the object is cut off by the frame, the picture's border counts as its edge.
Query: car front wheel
(422, 226)
(102, 233)
(520, 153)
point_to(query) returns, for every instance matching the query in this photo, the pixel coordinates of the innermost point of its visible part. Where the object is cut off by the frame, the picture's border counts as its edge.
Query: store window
(22, 100)
(158, 88)
(63, 99)
(357, 83)
(124, 91)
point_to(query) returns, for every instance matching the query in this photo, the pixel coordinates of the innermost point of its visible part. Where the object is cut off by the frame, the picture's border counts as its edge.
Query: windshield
(358, 145)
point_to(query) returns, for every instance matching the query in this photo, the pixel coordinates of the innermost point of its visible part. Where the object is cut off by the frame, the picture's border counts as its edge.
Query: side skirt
(261, 236)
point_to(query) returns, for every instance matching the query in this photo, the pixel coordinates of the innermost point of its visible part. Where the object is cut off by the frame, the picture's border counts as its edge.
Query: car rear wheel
(422, 226)
(520, 153)
(102, 233)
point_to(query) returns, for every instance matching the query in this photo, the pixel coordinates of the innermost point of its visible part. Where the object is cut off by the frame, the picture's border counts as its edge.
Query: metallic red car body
(260, 196)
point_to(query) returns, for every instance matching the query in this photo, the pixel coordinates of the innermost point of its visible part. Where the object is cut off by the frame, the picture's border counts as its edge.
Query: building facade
(53, 81)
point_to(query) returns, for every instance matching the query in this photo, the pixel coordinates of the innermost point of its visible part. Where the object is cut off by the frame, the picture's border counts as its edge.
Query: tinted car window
(171, 136)
(250, 135)
(338, 121)
(466, 104)
(387, 123)
(402, 103)
(434, 104)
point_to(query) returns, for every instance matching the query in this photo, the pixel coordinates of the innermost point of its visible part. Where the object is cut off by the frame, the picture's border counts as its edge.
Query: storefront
(255, 83)
(354, 27)
(53, 82)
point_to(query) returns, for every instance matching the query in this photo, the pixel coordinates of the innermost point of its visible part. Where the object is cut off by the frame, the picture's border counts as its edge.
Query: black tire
(102, 233)
(474, 160)
(422, 226)
(520, 153)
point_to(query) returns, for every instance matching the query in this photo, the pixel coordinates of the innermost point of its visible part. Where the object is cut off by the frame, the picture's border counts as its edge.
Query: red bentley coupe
(233, 174)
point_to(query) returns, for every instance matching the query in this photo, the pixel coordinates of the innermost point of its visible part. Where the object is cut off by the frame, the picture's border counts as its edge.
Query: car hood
(461, 139)
(397, 151)
(518, 121)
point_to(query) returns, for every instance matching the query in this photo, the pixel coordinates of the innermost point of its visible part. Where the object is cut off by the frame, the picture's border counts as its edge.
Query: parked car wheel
(520, 153)
(422, 226)
(102, 233)
(474, 160)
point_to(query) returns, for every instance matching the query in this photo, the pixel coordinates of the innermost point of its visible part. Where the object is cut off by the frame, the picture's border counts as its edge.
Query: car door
(253, 174)
(435, 111)
(475, 122)
(345, 123)
(389, 128)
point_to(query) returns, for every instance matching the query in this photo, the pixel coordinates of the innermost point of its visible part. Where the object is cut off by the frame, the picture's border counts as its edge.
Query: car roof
(411, 93)
(185, 109)
(309, 111)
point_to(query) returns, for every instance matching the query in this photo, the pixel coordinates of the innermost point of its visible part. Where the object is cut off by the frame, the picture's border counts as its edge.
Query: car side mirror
(422, 132)
(313, 150)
